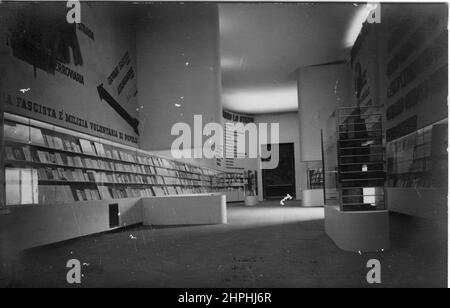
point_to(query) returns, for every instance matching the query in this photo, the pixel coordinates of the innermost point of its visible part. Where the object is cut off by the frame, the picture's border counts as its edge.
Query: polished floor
(265, 246)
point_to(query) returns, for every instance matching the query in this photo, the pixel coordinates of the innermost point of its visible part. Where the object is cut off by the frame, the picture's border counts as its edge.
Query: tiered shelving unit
(46, 164)
(361, 161)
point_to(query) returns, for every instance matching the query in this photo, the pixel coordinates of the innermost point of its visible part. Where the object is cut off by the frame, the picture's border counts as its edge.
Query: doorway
(279, 182)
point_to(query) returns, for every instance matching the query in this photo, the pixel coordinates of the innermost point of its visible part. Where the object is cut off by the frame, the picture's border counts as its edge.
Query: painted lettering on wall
(63, 117)
(128, 76)
(61, 68)
(122, 66)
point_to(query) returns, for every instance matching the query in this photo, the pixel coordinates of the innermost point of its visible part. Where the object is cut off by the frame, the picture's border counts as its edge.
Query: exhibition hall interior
(237, 145)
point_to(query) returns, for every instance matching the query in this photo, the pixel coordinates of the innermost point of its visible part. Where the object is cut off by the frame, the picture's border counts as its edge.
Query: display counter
(194, 209)
(358, 231)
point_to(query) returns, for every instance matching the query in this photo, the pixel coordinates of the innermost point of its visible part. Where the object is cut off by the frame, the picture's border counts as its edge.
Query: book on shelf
(78, 162)
(108, 154)
(75, 147)
(68, 175)
(115, 155)
(122, 156)
(59, 159)
(58, 143)
(88, 162)
(49, 141)
(86, 147)
(27, 154)
(89, 193)
(18, 155)
(43, 157)
(158, 191)
(70, 161)
(171, 190)
(61, 174)
(95, 194)
(9, 153)
(54, 174)
(52, 158)
(104, 192)
(99, 149)
(91, 175)
(80, 195)
(67, 145)
(36, 136)
(78, 175)
(100, 164)
(16, 131)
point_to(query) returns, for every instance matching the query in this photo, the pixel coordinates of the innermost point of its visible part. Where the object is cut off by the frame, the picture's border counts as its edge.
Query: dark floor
(264, 246)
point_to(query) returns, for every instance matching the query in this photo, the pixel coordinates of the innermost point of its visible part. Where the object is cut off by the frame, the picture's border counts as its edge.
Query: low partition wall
(364, 231)
(196, 209)
(428, 203)
(28, 226)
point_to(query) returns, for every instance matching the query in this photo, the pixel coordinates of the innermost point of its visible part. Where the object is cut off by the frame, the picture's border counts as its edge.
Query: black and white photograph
(223, 150)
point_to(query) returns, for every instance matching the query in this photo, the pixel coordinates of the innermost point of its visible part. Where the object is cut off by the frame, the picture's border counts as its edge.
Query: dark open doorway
(279, 182)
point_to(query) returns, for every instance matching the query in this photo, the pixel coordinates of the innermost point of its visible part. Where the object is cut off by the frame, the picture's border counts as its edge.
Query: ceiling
(262, 45)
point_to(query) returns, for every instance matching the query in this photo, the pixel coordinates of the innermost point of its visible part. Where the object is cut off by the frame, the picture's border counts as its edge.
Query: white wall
(320, 90)
(179, 63)
(27, 226)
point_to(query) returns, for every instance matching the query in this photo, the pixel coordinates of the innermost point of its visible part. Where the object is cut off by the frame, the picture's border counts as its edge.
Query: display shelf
(419, 159)
(58, 159)
(315, 178)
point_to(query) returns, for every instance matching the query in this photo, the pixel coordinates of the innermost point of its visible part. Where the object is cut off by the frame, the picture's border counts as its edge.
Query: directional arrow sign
(104, 95)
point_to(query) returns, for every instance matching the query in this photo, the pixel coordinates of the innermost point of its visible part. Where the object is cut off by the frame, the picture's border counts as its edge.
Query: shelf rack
(77, 165)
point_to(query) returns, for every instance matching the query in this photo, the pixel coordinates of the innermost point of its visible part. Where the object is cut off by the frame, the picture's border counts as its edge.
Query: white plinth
(312, 197)
(185, 210)
(363, 231)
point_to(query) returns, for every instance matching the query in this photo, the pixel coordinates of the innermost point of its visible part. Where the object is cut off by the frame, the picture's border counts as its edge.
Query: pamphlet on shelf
(70, 161)
(78, 162)
(52, 158)
(58, 143)
(36, 136)
(42, 156)
(99, 149)
(18, 154)
(27, 154)
(49, 141)
(115, 155)
(67, 145)
(79, 194)
(75, 147)
(59, 159)
(9, 153)
(16, 131)
(86, 147)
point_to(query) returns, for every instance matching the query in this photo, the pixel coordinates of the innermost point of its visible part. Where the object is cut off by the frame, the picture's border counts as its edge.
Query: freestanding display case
(356, 217)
